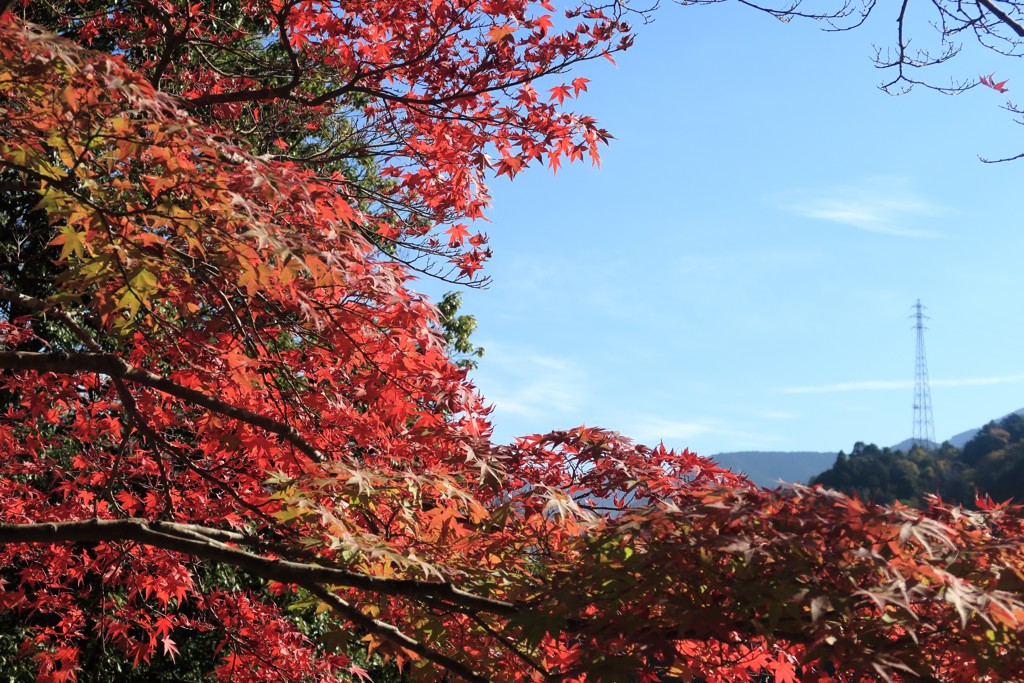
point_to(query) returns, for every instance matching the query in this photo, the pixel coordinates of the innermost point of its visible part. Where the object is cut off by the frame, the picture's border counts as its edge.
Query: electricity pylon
(924, 429)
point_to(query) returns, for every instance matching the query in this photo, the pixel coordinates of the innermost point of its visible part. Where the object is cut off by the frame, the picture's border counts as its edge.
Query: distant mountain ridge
(768, 468)
(957, 440)
(962, 438)
(906, 444)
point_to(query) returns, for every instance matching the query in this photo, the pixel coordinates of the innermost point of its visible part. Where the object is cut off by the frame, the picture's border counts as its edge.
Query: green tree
(458, 329)
(992, 437)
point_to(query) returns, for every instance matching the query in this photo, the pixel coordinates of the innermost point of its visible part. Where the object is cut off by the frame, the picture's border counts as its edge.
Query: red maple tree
(210, 357)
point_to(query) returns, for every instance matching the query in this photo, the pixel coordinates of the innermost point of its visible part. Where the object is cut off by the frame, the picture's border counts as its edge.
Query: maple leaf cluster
(990, 81)
(433, 96)
(211, 358)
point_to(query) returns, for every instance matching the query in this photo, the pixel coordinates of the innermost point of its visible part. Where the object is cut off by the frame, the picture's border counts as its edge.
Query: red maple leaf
(469, 263)
(169, 647)
(990, 81)
(559, 92)
(783, 669)
(360, 673)
(456, 234)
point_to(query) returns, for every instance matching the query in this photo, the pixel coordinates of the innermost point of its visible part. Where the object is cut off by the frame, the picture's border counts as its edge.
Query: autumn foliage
(211, 358)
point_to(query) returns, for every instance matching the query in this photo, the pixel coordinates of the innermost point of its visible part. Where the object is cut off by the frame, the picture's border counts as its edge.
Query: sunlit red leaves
(248, 285)
(559, 93)
(990, 81)
(435, 84)
(259, 645)
(793, 575)
(457, 233)
(230, 276)
(58, 665)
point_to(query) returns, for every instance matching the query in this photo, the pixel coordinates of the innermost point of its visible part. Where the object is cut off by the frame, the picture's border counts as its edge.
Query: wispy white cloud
(978, 381)
(886, 205)
(649, 429)
(867, 385)
(700, 434)
(531, 385)
(884, 385)
(775, 415)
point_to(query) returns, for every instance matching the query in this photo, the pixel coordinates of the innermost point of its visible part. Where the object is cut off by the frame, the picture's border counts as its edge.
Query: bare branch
(34, 304)
(986, 160)
(1003, 16)
(211, 544)
(393, 634)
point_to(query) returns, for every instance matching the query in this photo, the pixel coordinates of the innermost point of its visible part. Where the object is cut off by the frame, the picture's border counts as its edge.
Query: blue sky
(739, 273)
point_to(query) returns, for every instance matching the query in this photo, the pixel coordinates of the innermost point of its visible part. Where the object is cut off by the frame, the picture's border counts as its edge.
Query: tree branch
(211, 544)
(33, 304)
(1002, 16)
(114, 366)
(393, 634)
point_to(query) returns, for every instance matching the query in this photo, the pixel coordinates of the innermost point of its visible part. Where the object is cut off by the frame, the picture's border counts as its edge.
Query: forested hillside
(991, 463)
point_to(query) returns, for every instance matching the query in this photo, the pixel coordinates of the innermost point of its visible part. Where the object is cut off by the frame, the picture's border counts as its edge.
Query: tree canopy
(213, 366)
(990, 465)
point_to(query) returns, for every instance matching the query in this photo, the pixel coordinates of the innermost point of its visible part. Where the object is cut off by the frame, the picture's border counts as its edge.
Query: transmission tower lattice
(924, 429)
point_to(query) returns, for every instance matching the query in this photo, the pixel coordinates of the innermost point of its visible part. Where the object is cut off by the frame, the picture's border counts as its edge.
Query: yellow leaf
(249, 281)
(144, 282)
(69, 96)
(130, 301)
(499, 33)
(69, 238)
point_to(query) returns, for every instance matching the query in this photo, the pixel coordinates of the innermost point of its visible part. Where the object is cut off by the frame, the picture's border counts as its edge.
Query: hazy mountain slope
(960, 439)
(767, 468)
(907, 443)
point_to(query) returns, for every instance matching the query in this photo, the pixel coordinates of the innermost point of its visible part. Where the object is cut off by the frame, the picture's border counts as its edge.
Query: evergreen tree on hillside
(991, 463)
